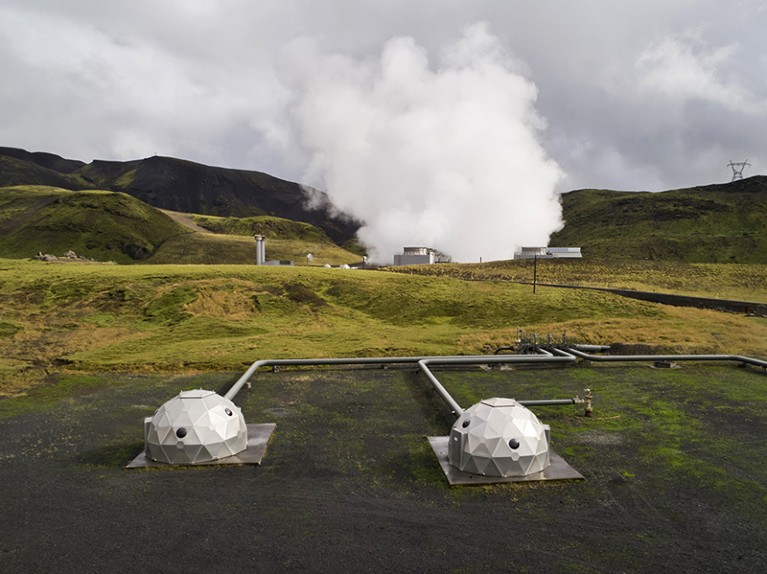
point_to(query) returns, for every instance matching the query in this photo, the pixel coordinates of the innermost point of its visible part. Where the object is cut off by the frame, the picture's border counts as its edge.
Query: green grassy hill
(211, 248)
(268, 226)
(715, 223)
(172, 318)
(721, 223)
(103, 225)
(109, 226)
(183, 186)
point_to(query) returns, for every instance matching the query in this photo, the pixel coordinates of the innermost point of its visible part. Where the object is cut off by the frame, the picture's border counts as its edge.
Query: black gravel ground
(675, 467)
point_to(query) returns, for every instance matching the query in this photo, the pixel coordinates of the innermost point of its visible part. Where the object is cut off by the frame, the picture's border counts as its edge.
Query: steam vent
(499, 437)
(195, 427)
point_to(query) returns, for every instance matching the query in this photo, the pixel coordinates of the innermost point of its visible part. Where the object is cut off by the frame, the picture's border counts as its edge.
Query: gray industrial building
(420, 256)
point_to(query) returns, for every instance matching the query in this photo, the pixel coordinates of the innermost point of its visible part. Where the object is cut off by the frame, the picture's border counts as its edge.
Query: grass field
(176, 318)
(215, 249)
(720, 280)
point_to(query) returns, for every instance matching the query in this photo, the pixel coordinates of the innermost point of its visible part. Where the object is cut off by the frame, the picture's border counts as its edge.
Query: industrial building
(420, 256)
(549, 253)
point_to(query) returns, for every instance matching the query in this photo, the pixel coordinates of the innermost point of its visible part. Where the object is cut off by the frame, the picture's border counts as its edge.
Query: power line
(737, 168)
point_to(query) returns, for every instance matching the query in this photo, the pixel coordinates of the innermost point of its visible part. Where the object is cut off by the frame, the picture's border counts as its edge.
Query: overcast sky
(647, 95)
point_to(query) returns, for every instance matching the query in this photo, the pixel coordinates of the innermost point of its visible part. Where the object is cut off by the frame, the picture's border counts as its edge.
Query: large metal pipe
(545, 357)
(596, 348)
(621, 358)
(568, 354)
(435, 360)
(454, 406)
(422, 363)
(239, 383)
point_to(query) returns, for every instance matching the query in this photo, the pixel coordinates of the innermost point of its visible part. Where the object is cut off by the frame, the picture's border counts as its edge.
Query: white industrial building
(420, 256)
(549, 253)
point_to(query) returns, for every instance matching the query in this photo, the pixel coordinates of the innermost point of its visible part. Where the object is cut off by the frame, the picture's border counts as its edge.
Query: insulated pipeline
(239, 383)
(568, 354)
(422, 363)
(620, 358)
(546, 357)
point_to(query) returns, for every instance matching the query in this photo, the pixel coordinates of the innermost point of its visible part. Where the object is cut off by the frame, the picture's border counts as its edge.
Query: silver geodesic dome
(499, 437)
(195, 427)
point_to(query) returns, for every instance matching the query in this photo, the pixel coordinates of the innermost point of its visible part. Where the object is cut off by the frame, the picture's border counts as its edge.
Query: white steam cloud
(445, 155)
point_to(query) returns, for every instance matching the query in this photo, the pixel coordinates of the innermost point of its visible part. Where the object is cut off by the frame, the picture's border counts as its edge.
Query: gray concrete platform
(258, 439)
(558, 470)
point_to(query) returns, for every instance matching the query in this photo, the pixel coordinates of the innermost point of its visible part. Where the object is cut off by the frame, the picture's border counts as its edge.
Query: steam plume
(444, 155)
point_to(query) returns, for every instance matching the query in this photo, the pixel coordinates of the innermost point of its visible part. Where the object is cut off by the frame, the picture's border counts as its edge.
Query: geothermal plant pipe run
(567, 354)
(576, 352)
(422, 363)
(544, 358)
(214, 437)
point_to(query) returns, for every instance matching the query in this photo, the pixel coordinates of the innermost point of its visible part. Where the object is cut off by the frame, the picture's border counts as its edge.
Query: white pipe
(422, 363)
(617, 358)
(569, 355)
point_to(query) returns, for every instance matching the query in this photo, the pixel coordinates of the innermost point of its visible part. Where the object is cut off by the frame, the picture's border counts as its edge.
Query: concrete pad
(258, 439)
(558, 470)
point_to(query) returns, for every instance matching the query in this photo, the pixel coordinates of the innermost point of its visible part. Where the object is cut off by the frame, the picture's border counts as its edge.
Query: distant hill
(719, 223)
(183, 186)
(102, 225)
(114, 226)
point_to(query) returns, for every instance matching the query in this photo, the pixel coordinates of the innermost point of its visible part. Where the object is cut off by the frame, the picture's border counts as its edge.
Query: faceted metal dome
(499, 437)
(195, 427)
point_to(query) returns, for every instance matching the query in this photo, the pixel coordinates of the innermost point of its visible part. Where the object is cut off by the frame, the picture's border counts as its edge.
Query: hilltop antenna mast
(737, 168)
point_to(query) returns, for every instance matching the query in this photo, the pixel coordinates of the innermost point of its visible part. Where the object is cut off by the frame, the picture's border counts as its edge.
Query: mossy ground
(672, 461)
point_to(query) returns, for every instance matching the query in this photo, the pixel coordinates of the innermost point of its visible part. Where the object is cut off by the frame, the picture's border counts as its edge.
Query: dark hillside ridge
(14, 170)
(180, 185)
(720, 223)
(47, 160)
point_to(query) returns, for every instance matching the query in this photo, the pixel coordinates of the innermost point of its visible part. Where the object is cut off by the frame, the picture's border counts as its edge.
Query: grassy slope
(116, 227)
(210, 248)
(717, 223)
(99, 224)
(268, 226)
(721, 280)
(170, 318)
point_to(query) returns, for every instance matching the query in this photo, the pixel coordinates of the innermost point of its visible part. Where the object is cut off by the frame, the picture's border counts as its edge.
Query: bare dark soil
(674, 461)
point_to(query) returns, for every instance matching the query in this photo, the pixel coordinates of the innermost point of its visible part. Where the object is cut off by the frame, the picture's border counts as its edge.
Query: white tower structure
(260, 250)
